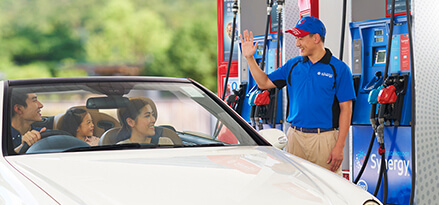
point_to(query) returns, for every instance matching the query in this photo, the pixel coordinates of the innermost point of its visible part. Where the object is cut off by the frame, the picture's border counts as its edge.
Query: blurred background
(63, 38)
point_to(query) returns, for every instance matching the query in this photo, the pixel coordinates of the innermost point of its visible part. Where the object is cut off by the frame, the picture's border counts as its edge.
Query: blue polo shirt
(16, 136)
(315, 90)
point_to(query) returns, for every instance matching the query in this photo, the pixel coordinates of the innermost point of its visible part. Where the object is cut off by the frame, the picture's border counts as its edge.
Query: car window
(118, 114)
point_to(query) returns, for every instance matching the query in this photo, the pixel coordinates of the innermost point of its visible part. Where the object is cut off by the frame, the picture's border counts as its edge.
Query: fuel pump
(265, 111)
(384, 71)
(264, 104)
(253, 117)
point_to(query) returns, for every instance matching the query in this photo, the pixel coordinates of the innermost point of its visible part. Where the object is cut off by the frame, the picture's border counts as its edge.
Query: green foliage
(27, 44)
(123, 34)
(68, 69)
(191, 52)
(46, 38)
(33, 70)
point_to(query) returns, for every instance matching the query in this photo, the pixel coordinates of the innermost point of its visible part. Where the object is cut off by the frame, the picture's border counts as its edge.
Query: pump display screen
(379, 39)
(379, 32)
(380, 56)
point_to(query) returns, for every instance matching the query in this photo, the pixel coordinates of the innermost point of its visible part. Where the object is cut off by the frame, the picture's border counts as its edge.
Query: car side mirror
(275, 137)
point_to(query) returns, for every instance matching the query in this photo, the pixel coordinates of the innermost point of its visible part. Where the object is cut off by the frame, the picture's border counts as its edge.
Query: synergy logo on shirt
(329, 75)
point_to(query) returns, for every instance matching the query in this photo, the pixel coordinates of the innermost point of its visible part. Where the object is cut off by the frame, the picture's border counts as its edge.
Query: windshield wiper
(120, 147)
(105, 147)
(205, 145)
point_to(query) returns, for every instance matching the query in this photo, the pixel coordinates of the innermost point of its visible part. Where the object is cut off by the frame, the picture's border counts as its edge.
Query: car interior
(181, 125)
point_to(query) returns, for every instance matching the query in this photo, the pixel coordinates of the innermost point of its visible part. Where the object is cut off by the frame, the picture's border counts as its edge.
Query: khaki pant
(314, 147)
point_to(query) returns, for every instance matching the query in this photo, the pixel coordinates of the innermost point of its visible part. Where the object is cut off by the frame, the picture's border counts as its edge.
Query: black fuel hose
(381, 114)
(366, 159)
(262, 64)
(380, 176)
(389, 42)
(343, 25)
(383, 169)
(372, 139)
(385, 178)
(413, 101)
(267, 25)
(235, 11)
(383, 173)
(276, 95)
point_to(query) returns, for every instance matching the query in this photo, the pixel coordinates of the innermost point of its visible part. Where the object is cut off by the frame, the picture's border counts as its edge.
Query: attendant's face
(86, 127)
(306, 44)
(144, 122)
(33, 110)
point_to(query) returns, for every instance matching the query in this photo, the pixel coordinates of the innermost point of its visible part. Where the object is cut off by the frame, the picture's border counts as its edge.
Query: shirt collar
(14, 132)
(326, 58)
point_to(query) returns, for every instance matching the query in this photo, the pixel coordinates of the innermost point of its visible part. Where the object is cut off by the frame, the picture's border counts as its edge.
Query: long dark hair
(132, 110)
(72, 119)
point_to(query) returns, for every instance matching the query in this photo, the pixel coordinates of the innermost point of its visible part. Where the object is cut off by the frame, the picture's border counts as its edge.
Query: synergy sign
(398, 162)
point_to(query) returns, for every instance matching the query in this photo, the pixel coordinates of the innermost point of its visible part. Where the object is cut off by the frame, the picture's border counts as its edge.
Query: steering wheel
(44, 135)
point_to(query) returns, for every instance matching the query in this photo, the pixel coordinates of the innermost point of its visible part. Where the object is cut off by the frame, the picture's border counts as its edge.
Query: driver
(25, 109)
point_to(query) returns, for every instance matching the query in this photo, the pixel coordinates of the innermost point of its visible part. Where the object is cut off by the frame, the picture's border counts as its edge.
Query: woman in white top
(138, 119)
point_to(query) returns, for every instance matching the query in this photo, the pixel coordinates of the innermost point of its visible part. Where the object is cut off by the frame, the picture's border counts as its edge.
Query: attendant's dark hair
(322, 38)
(132, 110)
(72, 119)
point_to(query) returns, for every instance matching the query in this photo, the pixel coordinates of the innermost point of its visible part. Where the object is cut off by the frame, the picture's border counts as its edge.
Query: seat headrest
(109, 137)
(102, 121)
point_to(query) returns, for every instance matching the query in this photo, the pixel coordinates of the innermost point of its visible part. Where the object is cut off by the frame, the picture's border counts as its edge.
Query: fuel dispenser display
(389, 93)
(369, 50)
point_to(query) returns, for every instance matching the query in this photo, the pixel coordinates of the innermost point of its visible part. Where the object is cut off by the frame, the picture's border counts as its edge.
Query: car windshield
(113, 115)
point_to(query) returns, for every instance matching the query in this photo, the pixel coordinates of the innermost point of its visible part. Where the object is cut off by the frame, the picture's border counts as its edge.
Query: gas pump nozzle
(373, 116)
(380, 128)
(280, 4)
(235, 8)
(269, 6)
(380, 131)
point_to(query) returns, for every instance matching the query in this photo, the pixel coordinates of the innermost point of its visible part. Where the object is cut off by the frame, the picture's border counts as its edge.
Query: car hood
(222, 175)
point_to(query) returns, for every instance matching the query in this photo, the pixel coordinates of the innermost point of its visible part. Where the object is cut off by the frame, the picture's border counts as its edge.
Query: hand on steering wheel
(43, 135)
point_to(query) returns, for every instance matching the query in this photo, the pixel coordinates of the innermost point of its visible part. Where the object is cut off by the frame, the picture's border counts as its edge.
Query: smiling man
(320, 94)
(26, 109)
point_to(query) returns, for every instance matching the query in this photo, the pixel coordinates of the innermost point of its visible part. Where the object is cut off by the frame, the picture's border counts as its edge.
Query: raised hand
(247, 47)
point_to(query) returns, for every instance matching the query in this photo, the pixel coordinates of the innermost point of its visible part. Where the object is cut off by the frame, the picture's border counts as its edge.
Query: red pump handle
(387, 95)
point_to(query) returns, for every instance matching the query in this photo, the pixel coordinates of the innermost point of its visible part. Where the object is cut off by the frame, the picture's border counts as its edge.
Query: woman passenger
(79, 123)
(138, 119)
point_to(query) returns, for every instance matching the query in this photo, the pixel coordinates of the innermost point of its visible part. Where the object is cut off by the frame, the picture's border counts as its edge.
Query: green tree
(122, 33)
(26, 44)
(192, 52)
(171, 37)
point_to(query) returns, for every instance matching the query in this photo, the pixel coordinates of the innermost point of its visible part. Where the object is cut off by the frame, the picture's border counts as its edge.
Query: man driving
(25, 109)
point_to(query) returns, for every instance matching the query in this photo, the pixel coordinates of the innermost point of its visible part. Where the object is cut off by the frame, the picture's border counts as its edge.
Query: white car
(198, 150)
